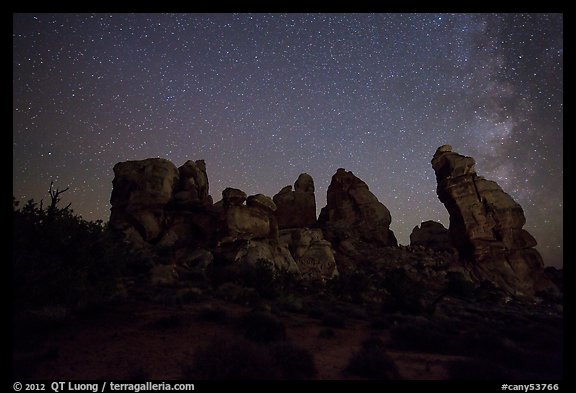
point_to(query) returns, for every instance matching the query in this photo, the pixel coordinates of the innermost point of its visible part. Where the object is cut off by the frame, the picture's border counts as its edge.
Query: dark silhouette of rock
(296, 209)
(352, 211)
(193, 187)
(431, 234)
(356, 223)
(246, 222)
(486, 226)
(233, 197)
(141, 190)
(313, 254)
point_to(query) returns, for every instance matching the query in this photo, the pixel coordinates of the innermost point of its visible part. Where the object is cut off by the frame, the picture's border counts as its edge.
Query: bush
(475, 369)
(259, 276)
(225, 359)
(213, 314)
(327, 333)
(352, 287)
(61, 259)
(406, 294)
(333, 320)
(372, 361)
(458, 286)
(167, 323)
(260, 326)
(425, 337)
(237, 358)
(292, 361)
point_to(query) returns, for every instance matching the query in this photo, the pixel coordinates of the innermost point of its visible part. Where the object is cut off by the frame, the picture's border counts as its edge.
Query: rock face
(313, 254)
(355, 223)
(486, 226)
(431, 234)
(141, 190)
(255, 220)
(296, 209)
(352, 211)
(156, 204)
(193, 186)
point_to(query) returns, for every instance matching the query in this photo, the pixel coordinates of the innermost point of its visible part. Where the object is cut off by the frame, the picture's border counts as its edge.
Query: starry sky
(265, 97)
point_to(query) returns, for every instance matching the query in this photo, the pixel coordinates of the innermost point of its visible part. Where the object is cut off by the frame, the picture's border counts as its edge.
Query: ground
(155, 339)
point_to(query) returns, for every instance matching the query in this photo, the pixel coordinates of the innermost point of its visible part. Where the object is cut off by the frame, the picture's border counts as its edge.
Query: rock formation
(352, 211)
(431, 234)
(313, 254)
(141, 190)
(354, 222)
(193, 187)
(255, 220)
(155, 203)
(486, 226)
(296, 209)
(164, 210)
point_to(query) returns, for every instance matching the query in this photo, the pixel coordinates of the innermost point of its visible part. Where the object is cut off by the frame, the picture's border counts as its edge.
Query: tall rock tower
(486, 226)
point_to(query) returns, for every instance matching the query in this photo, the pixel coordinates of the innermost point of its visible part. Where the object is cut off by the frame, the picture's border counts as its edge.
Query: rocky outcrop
(431, 234)
(352, 211)
(141, 190)
(486, 226)
(296, 209)
(313, 254)
(157, 205)
(255, 220)
(355, 222)
(193, 185)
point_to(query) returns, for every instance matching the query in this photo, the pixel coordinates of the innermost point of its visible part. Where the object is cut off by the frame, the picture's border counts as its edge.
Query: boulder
(193, 185)
(141, 190)
(262, 202)
(352, 211)
(233, 197)
(486, 225)
(431, 234)
(163, 275)
(296, 209)
(243, 222)
(258, 250)
(313, 254)
(143, 184)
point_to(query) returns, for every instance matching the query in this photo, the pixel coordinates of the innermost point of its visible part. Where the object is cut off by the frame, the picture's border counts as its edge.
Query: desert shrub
(380, 323)
(213, 314)
(333, 320)
(487, 292)
(60, 258)
(231, 359)
(292, 361)
(405, 294)
(315, 309)
(326, 333)
(237, 293)
(290, 303)
(475, 369)
(261, 327)
(352, 287)
(372, 361)
(421, 336)
(259, 276)
(458, 286)
(167, 322)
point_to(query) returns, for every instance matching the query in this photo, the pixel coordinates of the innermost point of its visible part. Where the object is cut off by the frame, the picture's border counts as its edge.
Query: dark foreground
(182, 333)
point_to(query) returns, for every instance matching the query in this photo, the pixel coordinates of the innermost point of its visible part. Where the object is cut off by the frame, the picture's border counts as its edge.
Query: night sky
(265, 97)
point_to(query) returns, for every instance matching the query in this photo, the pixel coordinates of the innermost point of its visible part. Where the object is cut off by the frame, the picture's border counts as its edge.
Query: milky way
(265, 97)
